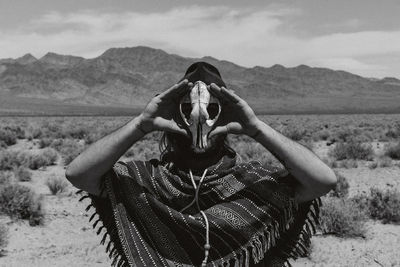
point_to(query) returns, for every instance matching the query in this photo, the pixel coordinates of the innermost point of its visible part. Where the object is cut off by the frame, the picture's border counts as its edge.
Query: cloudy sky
(360, 36)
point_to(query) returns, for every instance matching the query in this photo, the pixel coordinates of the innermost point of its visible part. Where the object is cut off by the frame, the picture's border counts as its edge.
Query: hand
(160, 113)
(237, 117)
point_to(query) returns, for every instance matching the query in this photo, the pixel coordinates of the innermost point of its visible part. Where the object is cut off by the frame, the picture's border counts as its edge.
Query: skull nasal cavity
(213, 110)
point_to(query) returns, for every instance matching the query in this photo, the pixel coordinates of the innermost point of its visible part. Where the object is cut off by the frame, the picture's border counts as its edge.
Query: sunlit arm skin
(314, 177)
(85, 171)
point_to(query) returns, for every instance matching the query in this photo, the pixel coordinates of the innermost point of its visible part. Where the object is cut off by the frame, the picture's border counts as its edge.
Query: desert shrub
(347, 134)
(10, 133)
(335, 164)
(56, 185)
(70, 151)
(57, 144)
(352, 150)
(322, 135)
(22, 174)
(347, 164)
(380, 205)
(342, 218)
(16, 130)
(344, 134)
(32, 161)
(21, 202)
(50, 155)
(339, 151)
(373, 165)
(2, 144)
(384, 205)
(393, 151)
(3, 236)
(52, 129)
(8, 137)
(77, 132)
(385, 162)
(34, 132)
(8, 160)
(393, 131)
(91, 138)
(295, 133)
(5, 177)
(361, 201)
(367, 137)
(342, 187)
(45, 142)
(68, 148)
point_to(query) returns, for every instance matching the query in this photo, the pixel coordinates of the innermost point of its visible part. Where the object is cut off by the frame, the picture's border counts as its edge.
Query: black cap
(205, 72)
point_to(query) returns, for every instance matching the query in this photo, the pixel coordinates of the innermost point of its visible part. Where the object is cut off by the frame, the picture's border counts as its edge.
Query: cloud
(245, 36)
(348, 24)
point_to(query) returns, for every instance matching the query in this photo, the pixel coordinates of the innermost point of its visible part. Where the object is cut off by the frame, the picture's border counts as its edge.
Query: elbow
(71, 175)
(74, 177)
(329, 182)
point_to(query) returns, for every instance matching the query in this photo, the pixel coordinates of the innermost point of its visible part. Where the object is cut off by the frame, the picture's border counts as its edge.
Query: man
(199, 204)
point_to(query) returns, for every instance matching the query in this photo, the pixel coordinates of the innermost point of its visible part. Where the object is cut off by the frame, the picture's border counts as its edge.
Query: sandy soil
(67, 239)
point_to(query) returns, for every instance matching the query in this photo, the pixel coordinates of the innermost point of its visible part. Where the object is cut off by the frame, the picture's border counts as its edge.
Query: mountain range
(122, 81)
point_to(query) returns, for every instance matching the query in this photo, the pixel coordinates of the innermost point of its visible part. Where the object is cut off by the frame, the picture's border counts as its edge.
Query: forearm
(86, 170)
(315, 177)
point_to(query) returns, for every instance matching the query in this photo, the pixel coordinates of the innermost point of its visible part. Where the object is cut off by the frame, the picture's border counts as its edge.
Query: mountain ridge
(130, 76)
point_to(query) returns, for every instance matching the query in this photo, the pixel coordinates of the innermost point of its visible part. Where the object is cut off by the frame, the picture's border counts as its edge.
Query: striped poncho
(232, 214)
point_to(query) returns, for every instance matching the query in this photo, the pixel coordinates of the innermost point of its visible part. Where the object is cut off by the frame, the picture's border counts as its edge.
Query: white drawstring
(196, 200)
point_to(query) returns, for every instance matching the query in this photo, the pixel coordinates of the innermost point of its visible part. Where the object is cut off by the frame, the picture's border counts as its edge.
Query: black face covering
(205, 72)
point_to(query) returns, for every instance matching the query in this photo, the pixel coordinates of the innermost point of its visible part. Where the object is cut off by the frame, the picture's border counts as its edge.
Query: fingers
(176, 90)
(223, 93)
(218, 130)
(230, 95)
(169, 126)
(216, 90)
(232, 127)
(176, 129)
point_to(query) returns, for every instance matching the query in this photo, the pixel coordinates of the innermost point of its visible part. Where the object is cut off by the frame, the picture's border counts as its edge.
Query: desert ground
(66, 238)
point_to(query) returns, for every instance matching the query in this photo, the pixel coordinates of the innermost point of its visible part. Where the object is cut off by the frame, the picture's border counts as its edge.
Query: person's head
(198, 112)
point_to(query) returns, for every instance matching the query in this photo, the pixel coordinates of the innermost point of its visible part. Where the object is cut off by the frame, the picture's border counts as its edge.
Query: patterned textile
(253, 219)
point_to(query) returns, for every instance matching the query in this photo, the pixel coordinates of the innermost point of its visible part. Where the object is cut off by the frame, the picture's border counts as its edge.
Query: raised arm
(86, 170)
(314, 177)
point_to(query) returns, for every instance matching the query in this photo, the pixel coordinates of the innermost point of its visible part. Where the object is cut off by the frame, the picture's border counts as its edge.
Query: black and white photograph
(190, 133)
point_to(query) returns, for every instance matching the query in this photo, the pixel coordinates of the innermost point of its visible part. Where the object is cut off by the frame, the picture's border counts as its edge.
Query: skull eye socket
(213, 110)
(186, 109)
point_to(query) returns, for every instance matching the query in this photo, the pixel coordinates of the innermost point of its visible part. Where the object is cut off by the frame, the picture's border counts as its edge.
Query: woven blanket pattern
(252, 216)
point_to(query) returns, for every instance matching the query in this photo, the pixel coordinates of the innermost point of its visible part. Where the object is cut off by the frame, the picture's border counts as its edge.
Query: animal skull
(199, 110)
